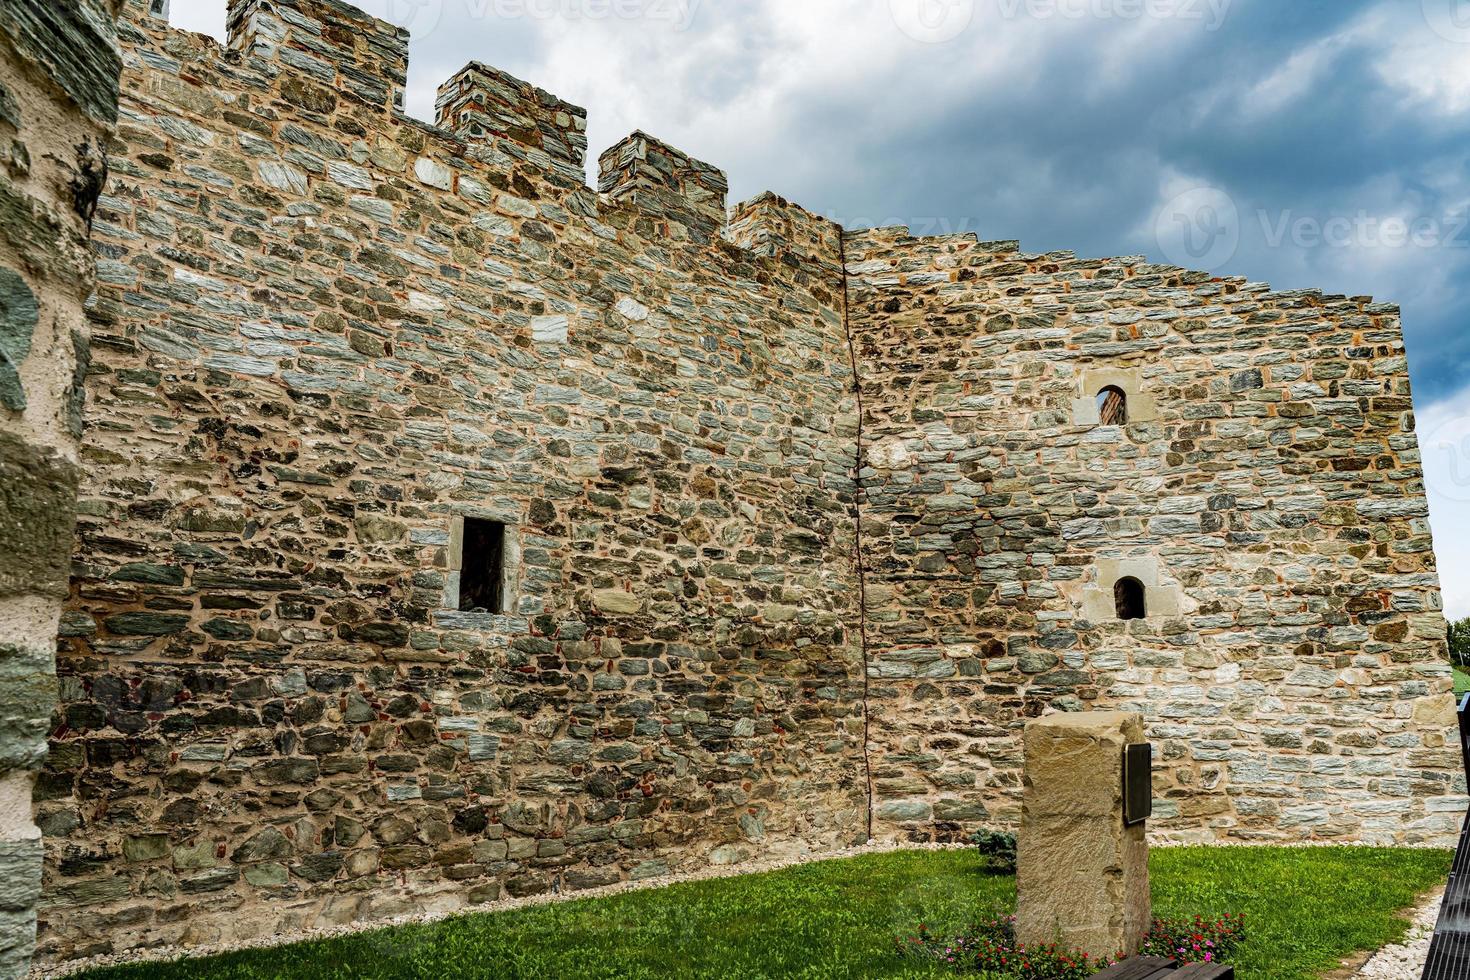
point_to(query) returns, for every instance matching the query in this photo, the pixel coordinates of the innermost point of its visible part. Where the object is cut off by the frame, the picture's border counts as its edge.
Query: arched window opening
(1112, 406)
(1128, 594)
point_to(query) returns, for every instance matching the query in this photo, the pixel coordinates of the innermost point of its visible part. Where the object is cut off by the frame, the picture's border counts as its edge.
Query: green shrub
(998, 847)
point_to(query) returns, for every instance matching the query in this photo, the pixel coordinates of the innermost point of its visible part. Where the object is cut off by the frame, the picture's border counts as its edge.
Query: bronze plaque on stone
(1138, 783)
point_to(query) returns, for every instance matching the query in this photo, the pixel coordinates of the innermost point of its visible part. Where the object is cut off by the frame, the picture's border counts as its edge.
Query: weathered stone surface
(27, 691)
(323, 334)
(37, 515)
(1082, 877)
(19, 314)
(59, 66)
(327, 335)
(1266, 491)
(269, 844)
(616, 601)
(20, 888)
(146, 624)
(74, 45)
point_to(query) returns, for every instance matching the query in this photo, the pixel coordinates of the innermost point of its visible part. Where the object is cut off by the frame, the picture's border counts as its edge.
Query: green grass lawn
(1462, 682)
(1306, 908)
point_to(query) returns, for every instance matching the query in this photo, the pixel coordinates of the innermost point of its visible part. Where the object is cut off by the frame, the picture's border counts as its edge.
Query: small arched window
(1112, 406)
(1129, 597)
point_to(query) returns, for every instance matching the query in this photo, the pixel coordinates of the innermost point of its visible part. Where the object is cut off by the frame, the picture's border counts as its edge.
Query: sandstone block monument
(1082, 872)
(454, 523)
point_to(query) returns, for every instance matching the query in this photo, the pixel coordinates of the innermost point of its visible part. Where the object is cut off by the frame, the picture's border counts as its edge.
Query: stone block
(1163, 597)
(27, 697)
(75, 46)
(1082, 877)
(20, 874)
(38, 492)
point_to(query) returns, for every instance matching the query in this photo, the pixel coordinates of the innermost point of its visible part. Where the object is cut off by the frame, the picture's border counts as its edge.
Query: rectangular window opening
(482, 571)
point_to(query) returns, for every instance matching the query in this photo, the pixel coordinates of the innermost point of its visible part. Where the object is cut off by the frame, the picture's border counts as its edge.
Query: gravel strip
(56, 971)
(1406, 961)
(1377, 845)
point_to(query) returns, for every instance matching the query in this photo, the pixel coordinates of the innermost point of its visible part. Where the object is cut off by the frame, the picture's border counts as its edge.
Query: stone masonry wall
(1267, 491)
(324, 333)
(58, 96)
(801, 525)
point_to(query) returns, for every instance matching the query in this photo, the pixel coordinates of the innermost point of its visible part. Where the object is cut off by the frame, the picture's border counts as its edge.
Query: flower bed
(991, 948)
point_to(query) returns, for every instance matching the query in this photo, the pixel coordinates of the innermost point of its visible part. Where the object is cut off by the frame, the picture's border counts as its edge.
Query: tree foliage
(1460, 642)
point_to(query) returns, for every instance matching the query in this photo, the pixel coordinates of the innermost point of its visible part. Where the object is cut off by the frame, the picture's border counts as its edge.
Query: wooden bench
(1158, 968)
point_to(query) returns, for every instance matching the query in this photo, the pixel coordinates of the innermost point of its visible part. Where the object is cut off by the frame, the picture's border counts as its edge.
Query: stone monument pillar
(1082, 874)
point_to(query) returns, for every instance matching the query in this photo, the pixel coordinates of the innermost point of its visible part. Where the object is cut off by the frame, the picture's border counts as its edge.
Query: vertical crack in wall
(859, 558)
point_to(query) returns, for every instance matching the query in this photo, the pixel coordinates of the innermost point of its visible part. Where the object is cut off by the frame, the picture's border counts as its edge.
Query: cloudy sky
(1309, 143)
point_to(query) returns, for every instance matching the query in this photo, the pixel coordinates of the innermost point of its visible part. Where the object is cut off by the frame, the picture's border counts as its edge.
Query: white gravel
(1406, 961)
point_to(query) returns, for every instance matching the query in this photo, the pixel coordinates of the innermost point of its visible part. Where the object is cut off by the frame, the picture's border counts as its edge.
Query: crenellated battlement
(325, 42)
(314, 50)
(770, 225)
(686, 194)
(482, 102)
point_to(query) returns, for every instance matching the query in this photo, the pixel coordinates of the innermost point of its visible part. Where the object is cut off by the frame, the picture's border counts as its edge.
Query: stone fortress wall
(324, 332)
(1266, 491)
(801, 524)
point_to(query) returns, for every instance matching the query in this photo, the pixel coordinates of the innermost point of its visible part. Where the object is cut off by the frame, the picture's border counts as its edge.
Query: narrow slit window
(1112, 406)
(482, 573)
(1129, 596)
